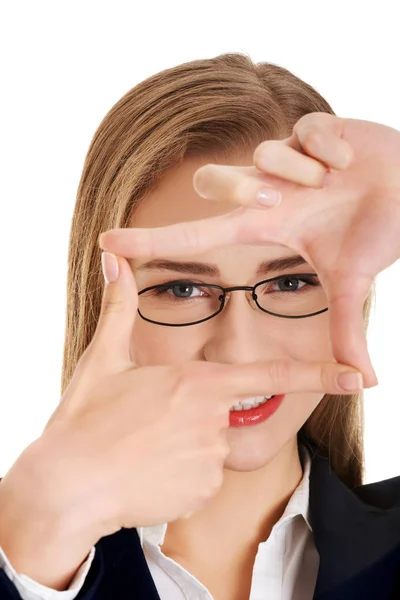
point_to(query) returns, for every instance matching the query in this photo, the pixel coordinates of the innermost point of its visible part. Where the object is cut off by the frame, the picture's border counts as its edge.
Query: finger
(111, 344)
(320, 135)
(275, 158)
(241, 226)
(241, 185)
(275, 162)
(304, 158)
(346, 322)
(281, 377)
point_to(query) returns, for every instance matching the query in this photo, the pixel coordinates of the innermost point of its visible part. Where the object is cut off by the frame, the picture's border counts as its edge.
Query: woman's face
(240, 333)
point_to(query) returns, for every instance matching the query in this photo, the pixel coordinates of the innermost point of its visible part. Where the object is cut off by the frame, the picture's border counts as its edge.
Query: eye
(291, 284)
(179, 290)
(183, 290)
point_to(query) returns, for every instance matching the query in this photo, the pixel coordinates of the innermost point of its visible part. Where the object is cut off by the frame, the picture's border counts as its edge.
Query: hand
(340, 182)
(135, 446)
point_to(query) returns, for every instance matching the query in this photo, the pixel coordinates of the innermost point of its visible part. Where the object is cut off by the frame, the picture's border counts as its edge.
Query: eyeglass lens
(185, 302)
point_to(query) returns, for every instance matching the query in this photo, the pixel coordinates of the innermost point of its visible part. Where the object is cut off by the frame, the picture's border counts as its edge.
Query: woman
(165, 414)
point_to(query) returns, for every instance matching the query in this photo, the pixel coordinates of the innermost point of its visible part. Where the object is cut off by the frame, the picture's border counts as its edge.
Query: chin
(245, 463)
(255, 446)
(249, 452)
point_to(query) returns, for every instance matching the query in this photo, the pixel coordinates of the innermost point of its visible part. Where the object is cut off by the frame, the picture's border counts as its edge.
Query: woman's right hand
(135, 446)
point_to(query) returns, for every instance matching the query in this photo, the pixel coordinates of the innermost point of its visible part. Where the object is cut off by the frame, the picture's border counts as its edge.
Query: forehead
(175, 200)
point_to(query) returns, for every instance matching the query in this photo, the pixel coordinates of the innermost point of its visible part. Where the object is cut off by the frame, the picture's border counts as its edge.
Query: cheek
(310, 341)
(296, 409)
(158, 345)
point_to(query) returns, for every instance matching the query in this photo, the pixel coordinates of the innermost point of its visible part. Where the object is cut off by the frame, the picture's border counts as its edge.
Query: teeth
(248, 403)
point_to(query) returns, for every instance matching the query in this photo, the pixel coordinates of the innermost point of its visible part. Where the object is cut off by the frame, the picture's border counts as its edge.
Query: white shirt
(285, 567)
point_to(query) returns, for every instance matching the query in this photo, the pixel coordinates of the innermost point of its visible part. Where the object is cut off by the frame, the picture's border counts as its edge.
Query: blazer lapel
(356, 532)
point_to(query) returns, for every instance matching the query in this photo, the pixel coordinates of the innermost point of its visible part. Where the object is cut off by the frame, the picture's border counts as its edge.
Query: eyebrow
(198, 268)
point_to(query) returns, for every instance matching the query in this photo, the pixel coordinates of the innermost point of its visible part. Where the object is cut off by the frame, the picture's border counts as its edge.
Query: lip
(253, 416)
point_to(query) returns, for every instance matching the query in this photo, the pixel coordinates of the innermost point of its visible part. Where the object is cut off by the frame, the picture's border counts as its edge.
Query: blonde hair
(213, 107)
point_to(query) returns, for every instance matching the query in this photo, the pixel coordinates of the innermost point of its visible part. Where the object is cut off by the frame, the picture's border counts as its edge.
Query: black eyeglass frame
(223, 297)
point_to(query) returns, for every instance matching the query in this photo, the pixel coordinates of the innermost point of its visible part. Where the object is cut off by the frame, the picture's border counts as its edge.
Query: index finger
(241, 226)
(286, 376)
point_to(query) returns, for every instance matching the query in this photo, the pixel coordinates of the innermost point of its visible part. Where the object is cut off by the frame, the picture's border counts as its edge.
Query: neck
(243, 512)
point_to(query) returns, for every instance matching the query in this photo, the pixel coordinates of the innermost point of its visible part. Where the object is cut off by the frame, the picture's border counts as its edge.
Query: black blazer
(356, 533)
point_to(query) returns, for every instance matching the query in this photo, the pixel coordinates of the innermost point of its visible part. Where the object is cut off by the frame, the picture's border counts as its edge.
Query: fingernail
(269, 197)
(109, 263)
(351, 381)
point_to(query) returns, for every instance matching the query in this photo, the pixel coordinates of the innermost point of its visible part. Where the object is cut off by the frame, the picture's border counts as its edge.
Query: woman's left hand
(340, 184)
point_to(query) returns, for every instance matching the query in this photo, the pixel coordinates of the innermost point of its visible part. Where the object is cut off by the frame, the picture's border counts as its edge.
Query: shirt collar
(299, 501)
(297, 505)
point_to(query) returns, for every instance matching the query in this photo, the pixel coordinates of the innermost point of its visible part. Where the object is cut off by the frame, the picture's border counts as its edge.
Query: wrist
(42, 538)
(42, 551)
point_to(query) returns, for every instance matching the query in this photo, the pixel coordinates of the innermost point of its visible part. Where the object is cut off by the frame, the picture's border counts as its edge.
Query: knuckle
(181, 377)
(309, 120)
(326, 378)
(194, 375)
(280, 372)
(216, 374)
(313, 139)
(267, 153)
(191, 236)
(112, 305)
(222, 450)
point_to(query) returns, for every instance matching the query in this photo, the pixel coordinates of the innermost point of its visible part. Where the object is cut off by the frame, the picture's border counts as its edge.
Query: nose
(234, 335)
(245, 292)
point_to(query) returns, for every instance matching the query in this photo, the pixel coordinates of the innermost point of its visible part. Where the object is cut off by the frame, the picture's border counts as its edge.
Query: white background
(64, 64)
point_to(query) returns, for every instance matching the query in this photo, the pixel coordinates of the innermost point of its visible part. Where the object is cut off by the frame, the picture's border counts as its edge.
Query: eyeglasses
(173, 305)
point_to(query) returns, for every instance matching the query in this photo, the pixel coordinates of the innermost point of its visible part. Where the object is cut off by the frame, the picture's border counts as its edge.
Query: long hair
(214, 107)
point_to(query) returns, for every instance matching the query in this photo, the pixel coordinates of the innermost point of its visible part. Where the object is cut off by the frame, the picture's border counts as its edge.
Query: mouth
(252, 411)
(250, 403)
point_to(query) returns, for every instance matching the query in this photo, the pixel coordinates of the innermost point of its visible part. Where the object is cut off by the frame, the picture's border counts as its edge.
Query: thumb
(111, 344)
(346, 323)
